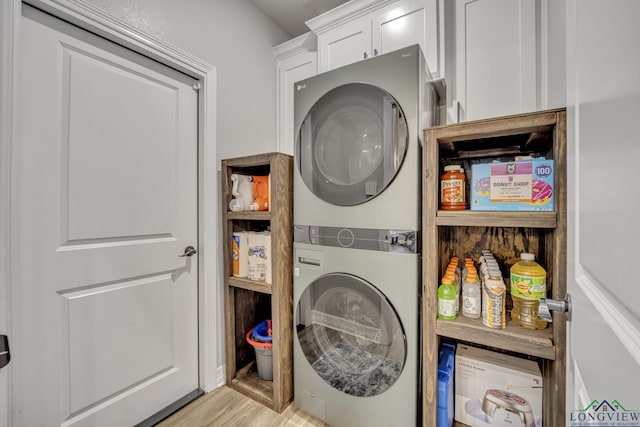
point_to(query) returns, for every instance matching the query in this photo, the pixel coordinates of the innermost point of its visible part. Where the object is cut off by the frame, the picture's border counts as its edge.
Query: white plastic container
(471, 297)
(242, 192)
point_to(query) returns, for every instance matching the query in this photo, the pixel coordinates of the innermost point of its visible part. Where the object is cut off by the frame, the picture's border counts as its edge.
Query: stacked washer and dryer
(357, 199)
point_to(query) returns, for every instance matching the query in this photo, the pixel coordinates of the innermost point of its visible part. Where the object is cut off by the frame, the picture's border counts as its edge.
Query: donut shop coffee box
(523, 185)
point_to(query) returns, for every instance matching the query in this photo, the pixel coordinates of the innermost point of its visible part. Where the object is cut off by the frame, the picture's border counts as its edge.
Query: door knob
(189, 251)
(547, 305)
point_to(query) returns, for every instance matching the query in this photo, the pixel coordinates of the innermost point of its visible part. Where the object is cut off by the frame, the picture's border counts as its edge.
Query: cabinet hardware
(309, 261)
(5, 354)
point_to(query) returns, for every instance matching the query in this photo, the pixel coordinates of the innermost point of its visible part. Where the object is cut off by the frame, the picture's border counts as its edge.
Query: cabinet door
(345, 44)
(406, 23)
(603, 125)
(291, 70)
(495, 57)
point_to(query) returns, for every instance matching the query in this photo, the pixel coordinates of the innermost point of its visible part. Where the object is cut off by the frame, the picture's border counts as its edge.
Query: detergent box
(523, 185)
(496, 389)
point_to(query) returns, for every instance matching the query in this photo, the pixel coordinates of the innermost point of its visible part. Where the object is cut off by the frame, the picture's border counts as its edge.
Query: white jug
(242, 191)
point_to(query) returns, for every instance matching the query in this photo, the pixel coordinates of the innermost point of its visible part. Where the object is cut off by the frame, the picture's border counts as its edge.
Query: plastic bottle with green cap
(447, 298)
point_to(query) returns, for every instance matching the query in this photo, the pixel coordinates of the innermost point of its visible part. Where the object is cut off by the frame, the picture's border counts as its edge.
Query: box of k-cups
(522, 185)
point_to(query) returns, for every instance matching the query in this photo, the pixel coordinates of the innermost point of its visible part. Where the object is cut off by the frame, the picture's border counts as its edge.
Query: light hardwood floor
(225, 407)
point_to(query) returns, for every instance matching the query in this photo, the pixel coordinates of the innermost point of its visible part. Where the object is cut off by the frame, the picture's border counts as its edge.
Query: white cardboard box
(495, 389)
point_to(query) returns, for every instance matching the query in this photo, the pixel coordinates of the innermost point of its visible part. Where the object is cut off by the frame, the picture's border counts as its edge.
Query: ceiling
(292, 14)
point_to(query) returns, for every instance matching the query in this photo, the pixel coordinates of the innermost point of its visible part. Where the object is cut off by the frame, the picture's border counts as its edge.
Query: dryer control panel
(402, 241)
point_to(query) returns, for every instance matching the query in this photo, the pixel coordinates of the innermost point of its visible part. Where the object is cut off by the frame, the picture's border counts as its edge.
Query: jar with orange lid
(471, 296)
(453, 184)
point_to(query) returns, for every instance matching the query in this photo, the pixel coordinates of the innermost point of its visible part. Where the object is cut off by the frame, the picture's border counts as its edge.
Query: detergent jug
(260, 193)
(242, 191)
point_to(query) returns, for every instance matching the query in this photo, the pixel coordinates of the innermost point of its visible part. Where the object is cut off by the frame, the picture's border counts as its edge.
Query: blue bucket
(262, 332)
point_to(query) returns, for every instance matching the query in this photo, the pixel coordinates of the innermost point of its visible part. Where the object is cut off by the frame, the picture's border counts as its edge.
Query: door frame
(93, 19)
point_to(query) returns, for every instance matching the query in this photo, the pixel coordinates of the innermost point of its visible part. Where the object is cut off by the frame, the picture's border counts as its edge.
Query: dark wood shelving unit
(506, 234)
(249, 302)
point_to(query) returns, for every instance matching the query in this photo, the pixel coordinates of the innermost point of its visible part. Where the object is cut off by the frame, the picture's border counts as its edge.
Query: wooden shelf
(496, 219)
(250, 384)
(250, 215)
(250, 285)
(538, 342)
(248, 162)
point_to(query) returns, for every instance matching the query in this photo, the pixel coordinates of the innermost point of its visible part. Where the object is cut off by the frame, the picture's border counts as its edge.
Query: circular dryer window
(351, 144)
(351, 335)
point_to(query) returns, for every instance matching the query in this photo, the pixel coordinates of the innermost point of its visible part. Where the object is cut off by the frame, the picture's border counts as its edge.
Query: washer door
(351, 335)
(351, 144)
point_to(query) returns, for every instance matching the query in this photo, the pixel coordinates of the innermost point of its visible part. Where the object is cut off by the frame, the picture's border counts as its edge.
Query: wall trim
(307, 42)
(614, 314)
(344, 13)
(581, 397)
(95, 20)
(221, 375)
(9, 18)
(543, 52)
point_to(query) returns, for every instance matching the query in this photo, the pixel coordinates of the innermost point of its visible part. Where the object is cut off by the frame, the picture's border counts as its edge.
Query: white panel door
(346, 44)
(495, 57)
(603, 106)
(105, 197)
(407, 23)
(291, 70)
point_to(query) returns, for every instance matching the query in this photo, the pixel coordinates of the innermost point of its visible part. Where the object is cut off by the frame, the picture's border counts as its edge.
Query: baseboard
(221, 378)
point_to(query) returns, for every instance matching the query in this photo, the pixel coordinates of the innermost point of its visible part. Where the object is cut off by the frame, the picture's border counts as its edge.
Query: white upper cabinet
(495, 58)
(405, 23)
(360, 29)
(345, 44)
(296, 60)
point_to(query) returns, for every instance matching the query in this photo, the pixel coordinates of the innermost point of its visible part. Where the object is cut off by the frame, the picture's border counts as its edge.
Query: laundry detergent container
(260, 339)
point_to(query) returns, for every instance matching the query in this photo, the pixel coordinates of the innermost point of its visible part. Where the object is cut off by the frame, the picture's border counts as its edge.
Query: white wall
(237, 38)
(555, 91)
(234, 36)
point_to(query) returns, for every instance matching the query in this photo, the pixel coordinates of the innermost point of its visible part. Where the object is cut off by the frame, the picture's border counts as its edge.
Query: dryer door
(351, 144)
(351, 335)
